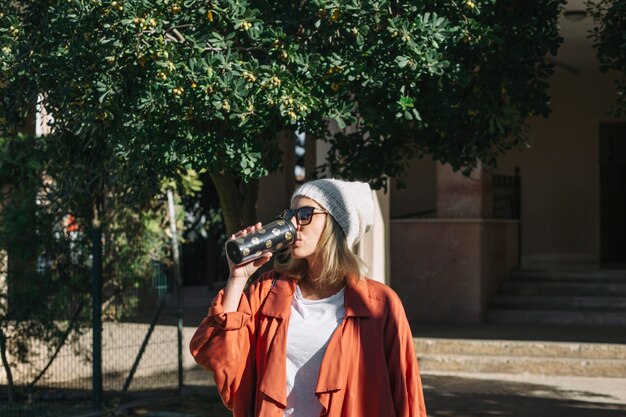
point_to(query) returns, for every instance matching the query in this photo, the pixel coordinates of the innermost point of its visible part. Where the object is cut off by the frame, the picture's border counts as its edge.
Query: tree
(70, 174)
(609, 37)
(44, 296)
(143, 91)
(45, 299)
(207, 84)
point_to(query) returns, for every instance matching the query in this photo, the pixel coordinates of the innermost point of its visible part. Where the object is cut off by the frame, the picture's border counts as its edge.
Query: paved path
(523, 396)
(484, 395)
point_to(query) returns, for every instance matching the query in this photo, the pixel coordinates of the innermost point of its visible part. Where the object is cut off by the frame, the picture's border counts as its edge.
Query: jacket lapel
(343, 344)
(278, 301)
(277, 305)
(334, 370)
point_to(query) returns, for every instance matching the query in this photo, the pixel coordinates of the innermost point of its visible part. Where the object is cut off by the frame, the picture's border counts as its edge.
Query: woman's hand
(244, 271)
(239, 274)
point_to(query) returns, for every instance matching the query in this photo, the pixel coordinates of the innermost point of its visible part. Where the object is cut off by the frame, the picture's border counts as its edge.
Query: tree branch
(178, 35)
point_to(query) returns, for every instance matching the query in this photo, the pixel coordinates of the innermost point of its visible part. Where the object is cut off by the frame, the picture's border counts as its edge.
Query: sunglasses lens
(305, 214)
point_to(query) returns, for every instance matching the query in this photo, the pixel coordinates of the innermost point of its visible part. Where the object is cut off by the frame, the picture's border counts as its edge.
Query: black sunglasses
(303, 215)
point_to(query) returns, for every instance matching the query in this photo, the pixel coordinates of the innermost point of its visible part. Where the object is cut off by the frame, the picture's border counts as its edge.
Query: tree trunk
(250, 193)
(7, 367)
(238, 203)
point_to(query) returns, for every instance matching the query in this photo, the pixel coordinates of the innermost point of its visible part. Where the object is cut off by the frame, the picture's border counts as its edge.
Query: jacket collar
(278, 302)
(357, 297)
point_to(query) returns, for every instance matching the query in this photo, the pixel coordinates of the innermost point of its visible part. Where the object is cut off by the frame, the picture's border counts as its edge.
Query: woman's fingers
(244, 232)
(262, 260)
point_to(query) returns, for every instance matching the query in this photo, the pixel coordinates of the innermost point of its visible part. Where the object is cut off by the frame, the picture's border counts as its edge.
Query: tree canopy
(140, 89)
(143, 92)
(609, 36)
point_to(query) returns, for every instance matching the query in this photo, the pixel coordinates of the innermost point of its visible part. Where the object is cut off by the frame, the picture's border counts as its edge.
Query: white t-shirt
(311, 325)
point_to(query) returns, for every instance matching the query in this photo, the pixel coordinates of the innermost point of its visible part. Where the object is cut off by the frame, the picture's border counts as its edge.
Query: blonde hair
(337, 259)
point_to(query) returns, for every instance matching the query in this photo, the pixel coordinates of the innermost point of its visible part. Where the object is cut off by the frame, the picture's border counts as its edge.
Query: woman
(314, 337)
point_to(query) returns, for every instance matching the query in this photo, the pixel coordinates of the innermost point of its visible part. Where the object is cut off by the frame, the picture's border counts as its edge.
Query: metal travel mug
(270, 237)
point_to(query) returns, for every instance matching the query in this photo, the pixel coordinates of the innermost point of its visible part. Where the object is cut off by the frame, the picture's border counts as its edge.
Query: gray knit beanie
(350, 204)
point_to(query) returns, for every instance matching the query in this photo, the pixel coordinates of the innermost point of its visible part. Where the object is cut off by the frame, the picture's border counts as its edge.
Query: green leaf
(103, 96)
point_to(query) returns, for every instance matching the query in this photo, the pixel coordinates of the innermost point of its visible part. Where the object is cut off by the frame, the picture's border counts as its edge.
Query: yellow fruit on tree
(275, 81)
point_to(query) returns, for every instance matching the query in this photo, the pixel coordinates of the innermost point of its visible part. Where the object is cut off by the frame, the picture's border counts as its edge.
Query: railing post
(518, 203)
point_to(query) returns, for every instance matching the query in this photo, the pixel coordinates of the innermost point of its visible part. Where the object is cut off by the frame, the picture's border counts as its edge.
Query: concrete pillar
(374, 248)
(446, 270)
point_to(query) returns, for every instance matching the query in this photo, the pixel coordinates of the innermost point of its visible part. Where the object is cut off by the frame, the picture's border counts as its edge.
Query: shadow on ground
(446, 396)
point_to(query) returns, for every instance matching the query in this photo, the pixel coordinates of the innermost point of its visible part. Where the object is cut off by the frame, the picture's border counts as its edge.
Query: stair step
(562, 288)
(598, 276)
(517, 356)
(541, 349)
(612, 368)
(559, 302)
(556, 317)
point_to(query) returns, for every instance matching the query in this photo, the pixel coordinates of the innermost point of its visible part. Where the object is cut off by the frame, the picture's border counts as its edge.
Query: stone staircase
(587, 297)
(559, 321)
(439, 355)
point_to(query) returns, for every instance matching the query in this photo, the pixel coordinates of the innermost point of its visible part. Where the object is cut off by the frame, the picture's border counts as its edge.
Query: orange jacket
(369, 368)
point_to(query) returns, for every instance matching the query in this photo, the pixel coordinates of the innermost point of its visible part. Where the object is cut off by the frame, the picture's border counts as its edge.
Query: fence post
(179, 283)
(518, 202)
(96, 316)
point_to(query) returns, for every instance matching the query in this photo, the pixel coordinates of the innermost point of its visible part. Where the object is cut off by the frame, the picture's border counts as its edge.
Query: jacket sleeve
(224, 344)
(404, 377)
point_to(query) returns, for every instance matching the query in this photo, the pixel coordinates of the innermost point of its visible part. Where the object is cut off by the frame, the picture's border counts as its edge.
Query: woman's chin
(297, 253)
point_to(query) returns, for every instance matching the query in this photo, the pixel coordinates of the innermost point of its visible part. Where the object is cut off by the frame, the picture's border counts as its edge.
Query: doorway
(612, 193)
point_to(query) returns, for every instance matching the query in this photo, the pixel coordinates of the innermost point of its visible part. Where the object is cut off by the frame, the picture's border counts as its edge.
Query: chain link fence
(139, 347)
